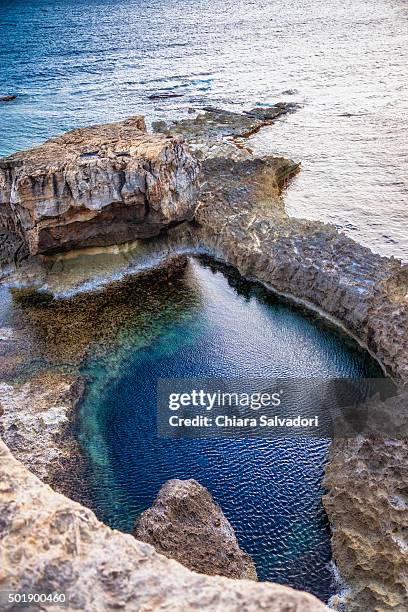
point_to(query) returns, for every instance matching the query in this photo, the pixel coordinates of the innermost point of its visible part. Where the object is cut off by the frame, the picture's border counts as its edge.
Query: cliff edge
(100, 185)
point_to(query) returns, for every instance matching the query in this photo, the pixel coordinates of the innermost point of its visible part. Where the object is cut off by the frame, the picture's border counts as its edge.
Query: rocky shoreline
(239, 218)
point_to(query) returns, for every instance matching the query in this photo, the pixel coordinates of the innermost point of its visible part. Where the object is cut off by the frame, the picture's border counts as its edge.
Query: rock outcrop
(51, 544)
(98, 186)
(35, 418)
(242, 222)
(367, 503)
(186, 524)
(216, 132)
(241, 219)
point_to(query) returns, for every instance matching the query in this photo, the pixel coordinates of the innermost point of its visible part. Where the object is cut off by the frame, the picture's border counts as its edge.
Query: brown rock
(35, 421)
(101, 185)
(186, 524)
(241, 220)
(51, 544)
(7, 98)
(367, 503)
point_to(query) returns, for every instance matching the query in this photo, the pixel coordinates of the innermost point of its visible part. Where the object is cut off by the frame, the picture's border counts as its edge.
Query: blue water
(212, 323)
(76, 62)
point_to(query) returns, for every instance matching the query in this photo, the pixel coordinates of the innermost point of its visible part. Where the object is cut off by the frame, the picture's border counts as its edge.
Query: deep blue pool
(210, 322)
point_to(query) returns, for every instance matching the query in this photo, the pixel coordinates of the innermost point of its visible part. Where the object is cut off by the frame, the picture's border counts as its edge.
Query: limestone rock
(241, 220)
(50, 543)
(216, 132)
(367, 503)
(101, 185)
(35, 421)
(186, 524)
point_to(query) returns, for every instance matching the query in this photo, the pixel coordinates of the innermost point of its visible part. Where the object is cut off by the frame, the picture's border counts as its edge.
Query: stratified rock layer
(241, 219)
(186, 524)
(97, 186)
(52, 544)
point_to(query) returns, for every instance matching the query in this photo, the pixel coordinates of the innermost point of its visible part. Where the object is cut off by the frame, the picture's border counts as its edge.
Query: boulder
(98, 186)
(186, 524)
(51, 544)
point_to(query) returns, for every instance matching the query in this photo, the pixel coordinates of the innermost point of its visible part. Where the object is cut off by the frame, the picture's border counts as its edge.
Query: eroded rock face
(186, 524)
(241, 219)
(367, 481)
(101, 185)
(35, 419)
(50, 543)
(367, 502)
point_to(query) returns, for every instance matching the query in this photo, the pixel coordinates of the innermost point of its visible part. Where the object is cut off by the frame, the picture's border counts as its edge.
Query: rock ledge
(100, 185)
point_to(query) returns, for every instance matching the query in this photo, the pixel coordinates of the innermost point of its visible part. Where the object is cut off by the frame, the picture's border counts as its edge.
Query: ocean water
(212, 323)
(76, 62)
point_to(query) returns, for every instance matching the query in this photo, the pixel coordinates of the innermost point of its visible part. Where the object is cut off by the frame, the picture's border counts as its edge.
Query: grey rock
(186, 524)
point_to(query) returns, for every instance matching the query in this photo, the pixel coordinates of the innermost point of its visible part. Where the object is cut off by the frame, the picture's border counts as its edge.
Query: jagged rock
(101, 185)
(186, 524)
(366, 500)
(50, 544)
(241, 220)
(367, 503)
(35, 418)
(216, 132)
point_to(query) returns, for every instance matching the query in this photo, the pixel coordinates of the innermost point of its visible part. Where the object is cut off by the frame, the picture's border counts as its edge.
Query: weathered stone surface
(367, 503)
(35, 418)
(367, 294)
(50, 543)
(186, 524)
(241, 220)
(216, 132)
(98, 186)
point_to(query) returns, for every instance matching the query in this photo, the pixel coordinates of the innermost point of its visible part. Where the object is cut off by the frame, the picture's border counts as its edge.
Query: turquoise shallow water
(212, 323)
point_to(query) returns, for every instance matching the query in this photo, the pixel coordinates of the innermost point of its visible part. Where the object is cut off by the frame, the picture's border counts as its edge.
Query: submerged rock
(216, 132)
(164, 95)
(93, 317)
(186, 524)
(7, 98)
(101, 185)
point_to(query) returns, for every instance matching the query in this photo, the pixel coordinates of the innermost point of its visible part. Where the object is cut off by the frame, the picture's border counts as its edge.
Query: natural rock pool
(209, 322)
